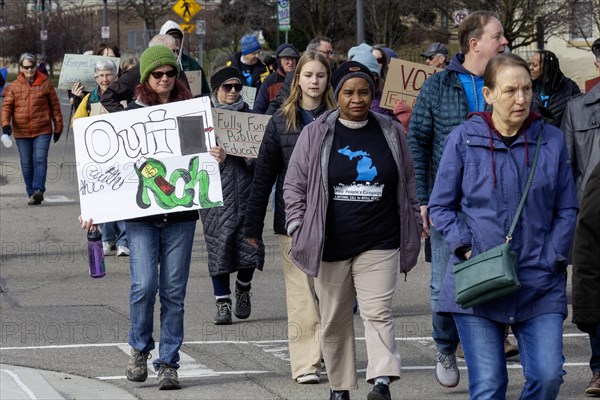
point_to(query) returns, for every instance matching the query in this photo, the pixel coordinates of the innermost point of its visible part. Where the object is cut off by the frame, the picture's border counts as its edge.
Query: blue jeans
(595, 345)
(173, 243)
(444, 333)
(34, 162)
(540, 347)
(221, 282)
(114, 232)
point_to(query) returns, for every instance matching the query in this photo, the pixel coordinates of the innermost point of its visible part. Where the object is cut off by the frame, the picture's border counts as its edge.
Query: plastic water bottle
(6, 140)
(96, 254)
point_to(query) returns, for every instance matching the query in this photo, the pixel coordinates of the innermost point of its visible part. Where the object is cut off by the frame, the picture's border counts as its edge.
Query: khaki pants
(303, 315)
(371, 276)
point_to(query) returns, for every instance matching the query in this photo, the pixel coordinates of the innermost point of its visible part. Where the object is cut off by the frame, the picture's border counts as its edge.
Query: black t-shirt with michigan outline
(363, 178)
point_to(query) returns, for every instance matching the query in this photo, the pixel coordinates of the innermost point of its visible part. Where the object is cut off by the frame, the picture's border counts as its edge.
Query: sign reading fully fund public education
(186, 9)
(238, 133)
(404, 82)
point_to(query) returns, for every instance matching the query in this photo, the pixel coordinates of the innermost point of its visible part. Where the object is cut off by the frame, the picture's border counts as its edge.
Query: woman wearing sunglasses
(228, 252)
(167, 237)
(32, 108)
(310, 96)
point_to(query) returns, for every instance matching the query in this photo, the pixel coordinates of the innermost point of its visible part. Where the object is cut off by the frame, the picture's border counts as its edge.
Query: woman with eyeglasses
(310, 96)
(164, 237)
(228, 252)
(31, 111)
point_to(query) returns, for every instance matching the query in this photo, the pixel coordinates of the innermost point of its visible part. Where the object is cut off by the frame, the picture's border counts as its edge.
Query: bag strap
(527, 186)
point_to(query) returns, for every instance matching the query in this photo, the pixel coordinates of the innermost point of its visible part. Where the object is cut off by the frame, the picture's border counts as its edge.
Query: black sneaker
(242, 301)
(223, 316)
(36, 198)
(380, 391)
(167, 378)
(137, 368)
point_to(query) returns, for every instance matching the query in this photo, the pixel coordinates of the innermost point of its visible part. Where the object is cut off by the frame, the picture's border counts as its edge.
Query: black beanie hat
(223, 75)
(349, 70)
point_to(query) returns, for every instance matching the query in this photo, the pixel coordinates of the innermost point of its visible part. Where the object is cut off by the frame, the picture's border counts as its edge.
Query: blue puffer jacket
(484, 179)
(440, 107)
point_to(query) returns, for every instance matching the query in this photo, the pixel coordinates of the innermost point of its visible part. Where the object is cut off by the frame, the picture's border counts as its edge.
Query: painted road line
(20, 385)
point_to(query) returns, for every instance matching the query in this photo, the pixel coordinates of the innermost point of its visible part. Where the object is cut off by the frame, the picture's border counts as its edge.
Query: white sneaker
(122, 251)
(309, 378)
(107, 247)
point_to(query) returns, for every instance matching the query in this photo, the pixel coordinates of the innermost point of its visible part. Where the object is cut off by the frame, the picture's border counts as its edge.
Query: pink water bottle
(96, 254)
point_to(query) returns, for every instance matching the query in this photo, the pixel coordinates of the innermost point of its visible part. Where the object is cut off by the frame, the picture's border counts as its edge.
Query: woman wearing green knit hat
(165, 236)
(158, 83)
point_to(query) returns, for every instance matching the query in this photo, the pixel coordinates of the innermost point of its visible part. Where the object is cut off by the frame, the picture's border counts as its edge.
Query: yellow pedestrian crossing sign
(186, 9)
(187, 28)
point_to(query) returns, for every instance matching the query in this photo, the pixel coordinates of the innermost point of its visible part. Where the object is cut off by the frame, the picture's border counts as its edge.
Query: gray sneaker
(446, 370)
(243, 307)
(223, 316)
(167, 378)
(137, 368)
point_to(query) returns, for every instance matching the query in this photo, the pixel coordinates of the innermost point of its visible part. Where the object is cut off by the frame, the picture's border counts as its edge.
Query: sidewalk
(19, 383)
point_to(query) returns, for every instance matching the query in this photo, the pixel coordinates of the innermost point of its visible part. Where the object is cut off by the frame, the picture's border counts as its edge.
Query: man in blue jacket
(444, 102)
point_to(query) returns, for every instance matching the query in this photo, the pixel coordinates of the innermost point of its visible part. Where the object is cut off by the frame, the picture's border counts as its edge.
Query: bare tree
(149, 11)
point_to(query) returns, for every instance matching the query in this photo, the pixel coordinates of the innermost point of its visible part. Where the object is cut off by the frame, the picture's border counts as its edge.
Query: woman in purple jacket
(483, 173)
(352, 211)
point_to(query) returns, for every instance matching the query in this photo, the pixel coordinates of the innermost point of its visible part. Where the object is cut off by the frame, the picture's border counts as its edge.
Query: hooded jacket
(186, 63)
(33, 108)
(306, 192)
(484, 179)
(258, 72)
(440, 107)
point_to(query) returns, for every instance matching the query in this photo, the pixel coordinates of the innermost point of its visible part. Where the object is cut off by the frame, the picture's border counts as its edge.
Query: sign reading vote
(80, 68)
(239, 133)
(147, 161)
(404, 82)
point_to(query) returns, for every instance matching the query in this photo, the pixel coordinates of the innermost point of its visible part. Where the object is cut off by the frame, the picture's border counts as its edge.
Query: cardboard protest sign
(194, 78)
(80, 68)
(239, 133)
(249, 95)
(403, 82)
(147, 161)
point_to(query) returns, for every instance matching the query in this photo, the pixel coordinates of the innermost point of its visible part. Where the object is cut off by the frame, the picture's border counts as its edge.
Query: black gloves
(7, 130)
(57, 136)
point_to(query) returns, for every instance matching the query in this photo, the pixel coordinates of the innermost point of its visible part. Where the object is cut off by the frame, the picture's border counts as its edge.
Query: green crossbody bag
(492, 274)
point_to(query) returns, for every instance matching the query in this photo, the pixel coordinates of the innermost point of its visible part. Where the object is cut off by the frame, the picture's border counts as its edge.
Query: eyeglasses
(28, 67)
(159, 74)
(430, 58)
(228, 86)
(329, 53)
(104, 76)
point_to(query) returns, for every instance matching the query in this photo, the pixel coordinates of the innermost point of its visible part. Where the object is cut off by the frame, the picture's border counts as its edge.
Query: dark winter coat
(558, 99)
(581, 126)
(482, 178)
(259, 70)
(268, 91)
(227, 249)
(440, 107)
(271, 165)
(586, 256)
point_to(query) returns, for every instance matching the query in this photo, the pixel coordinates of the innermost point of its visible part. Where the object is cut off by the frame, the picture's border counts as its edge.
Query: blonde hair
(289, 109)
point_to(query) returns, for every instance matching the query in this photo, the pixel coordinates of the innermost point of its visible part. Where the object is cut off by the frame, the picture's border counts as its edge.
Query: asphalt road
(54, 317)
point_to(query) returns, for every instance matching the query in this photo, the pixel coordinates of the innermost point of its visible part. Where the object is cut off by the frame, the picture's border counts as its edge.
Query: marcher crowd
(354, 189)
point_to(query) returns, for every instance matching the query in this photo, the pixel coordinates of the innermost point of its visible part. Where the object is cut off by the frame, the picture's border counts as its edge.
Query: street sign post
(283, 15)
(186, 9)
(105, 32)
(201, 27)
